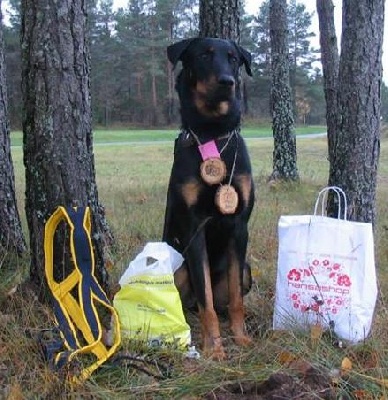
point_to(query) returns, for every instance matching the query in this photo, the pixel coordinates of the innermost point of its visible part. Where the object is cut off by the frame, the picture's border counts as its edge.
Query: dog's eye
(233, 59)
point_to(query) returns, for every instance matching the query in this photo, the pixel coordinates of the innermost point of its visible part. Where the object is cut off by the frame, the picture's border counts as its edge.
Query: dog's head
(209, 80)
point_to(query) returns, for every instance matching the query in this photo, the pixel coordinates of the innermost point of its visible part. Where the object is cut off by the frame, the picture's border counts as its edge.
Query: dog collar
(188, 138)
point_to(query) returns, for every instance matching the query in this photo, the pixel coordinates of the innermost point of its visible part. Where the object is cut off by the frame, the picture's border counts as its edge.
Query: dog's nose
(226, 80)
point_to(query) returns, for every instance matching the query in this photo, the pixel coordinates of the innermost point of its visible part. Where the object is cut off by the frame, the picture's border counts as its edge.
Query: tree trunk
(155, 114)
(170, 99)
(57, 132)
(330, 67)
(11, 235)
(284, 154)
(355, 150)
(220, 19)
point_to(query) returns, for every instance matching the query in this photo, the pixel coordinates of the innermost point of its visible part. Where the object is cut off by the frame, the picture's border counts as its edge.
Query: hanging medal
(226, 199)
(213, 169)
(213, 172)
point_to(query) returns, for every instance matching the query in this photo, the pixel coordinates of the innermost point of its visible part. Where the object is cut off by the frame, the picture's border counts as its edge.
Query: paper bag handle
(341, 196)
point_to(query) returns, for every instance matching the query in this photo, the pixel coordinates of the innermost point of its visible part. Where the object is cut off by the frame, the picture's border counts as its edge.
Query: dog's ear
(245, 58)
(176, 50)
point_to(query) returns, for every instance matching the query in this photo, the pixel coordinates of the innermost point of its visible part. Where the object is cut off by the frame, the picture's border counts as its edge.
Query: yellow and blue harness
(77, 316)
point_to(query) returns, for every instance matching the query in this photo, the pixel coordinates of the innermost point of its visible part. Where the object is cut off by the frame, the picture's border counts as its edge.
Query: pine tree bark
(11, 235)
(220, 19)
(356, 147)
(330, 68)
(57, 131)
(284, 154)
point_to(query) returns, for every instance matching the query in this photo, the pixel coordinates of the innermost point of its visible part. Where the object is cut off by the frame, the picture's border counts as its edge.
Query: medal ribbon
(209, 150)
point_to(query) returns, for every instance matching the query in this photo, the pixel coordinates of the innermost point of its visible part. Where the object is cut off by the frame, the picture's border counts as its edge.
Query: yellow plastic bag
(148, 303)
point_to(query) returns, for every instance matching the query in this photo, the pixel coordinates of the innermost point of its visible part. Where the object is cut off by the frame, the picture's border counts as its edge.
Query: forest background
(132, 84)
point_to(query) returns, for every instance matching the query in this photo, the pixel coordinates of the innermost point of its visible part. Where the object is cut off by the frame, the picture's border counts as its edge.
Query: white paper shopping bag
(326, 274)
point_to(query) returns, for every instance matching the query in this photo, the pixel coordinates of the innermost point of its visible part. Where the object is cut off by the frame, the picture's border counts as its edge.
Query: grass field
(155, 135)
(132, 181)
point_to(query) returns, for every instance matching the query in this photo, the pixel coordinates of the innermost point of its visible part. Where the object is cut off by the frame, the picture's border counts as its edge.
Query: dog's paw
(218, 354)
(242, 340)
(215, 351)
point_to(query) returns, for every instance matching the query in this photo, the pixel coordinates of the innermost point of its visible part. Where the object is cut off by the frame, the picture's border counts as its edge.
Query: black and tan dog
(210, 195)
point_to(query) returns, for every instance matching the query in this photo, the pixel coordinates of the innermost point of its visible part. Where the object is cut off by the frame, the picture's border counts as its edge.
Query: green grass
(132, 182)
(154, 135)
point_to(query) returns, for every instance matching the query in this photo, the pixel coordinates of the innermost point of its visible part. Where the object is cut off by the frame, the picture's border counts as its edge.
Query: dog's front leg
(236, 254)
(199, 269)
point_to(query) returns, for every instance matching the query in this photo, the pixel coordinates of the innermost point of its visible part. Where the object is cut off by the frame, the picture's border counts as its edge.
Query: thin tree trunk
(11, 235)
(170, 105)
(355, 150)
(170, 78)
(154, 91)
(284, 154)
(57, 132)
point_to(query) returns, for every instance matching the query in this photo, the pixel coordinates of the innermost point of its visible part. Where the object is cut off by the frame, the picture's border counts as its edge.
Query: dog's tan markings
(200, 93)
(210, 328)
(181, 277)
(201, 87)
(182, 282)
(202, 107)
(190, 191)
(223, 108)
(220, 293)
(236, 305)
(244, 183)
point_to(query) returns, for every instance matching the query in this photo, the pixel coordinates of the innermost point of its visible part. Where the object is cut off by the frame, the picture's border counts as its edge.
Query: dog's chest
(211, 161)
(227, 188)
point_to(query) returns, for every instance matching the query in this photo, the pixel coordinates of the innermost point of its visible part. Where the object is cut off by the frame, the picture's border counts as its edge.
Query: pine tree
(355, 147)
(284, 154)
(57, 132)
(11, 235)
